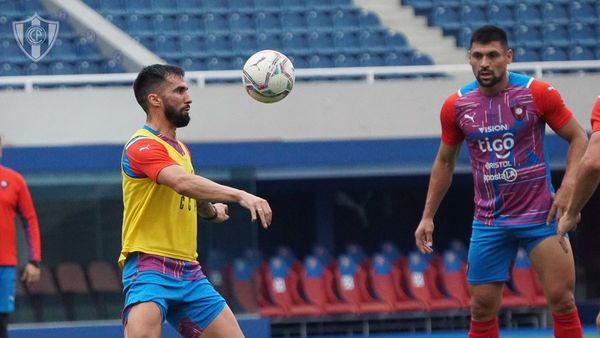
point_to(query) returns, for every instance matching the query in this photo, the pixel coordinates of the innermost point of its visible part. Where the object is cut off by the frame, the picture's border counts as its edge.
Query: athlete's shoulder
(520, 80)
(12, 174)
(469, 88)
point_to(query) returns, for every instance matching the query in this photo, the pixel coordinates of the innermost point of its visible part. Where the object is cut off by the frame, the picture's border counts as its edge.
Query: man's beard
(494, 80)
(176, 117)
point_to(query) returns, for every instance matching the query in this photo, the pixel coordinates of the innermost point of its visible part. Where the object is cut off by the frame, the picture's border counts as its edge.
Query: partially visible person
(501, 117)
(15, 199)
(586, 182)
(162, 198)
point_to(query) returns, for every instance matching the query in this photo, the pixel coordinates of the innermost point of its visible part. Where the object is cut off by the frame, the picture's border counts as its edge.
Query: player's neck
(164, 129)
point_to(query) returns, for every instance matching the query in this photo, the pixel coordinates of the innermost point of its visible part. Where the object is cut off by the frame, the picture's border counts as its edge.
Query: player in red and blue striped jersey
(502, 118)
(15, 198)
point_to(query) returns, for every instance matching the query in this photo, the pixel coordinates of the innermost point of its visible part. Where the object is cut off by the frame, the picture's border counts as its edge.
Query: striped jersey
(504, 135)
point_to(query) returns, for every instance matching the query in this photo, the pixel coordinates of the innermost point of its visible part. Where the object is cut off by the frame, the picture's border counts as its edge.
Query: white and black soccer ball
(268, 76)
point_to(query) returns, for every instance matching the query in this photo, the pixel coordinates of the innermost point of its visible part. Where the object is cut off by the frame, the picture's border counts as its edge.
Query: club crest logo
(519, 112)
(35, 36)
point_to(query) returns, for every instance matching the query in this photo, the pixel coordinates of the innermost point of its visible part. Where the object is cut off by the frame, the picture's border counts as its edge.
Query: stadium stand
(538, 31)
(46, 300)
(73, 286)
(105, 285)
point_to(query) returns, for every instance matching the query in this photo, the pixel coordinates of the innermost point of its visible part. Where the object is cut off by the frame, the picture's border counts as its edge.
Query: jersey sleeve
(596, 116)
(451, 133)
(146, 157)
(30, 223)
(550, 104)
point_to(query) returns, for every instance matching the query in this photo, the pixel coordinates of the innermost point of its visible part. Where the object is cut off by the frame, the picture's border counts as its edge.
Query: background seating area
(556, 30)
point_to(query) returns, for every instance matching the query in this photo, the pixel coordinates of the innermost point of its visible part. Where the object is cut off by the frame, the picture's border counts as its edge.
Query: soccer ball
(268, 76)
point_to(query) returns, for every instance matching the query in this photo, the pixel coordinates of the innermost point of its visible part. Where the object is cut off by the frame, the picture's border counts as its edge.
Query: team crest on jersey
(519, 111)
(3, 184)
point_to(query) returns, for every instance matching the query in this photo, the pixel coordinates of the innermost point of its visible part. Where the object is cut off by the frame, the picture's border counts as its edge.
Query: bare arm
(573, 133)
(203, 189)
(439, 183)
(586, 182)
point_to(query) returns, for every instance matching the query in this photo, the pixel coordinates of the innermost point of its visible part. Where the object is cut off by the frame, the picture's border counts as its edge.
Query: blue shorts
(7, 288)
(493, 249)
(188, 303)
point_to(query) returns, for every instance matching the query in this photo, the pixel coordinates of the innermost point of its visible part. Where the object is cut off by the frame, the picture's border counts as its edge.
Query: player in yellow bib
(162, 198)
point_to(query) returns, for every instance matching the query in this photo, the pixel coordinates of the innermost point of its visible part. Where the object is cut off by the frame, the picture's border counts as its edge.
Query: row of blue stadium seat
(60, 67)
(453, 18)
(62, 49)
(192, 6)
(235, 21)
(315, 60)
(424, 6)
(223, 44)
(585, 34)
(556, 53)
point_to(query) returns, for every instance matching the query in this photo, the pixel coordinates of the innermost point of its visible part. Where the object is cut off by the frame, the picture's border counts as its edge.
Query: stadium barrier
(366, 74)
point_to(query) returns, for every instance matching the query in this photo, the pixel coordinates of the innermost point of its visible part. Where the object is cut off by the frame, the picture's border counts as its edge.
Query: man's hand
(566, 223)
(258, 207)
(559, 204)
(424, 236)
(222, 212)
(30, 275)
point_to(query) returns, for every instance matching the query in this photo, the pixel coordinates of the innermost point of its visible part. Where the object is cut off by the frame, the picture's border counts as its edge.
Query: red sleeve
(147, 157)
(30, 222)
(550, 104)
(451, 133)
(596, 116)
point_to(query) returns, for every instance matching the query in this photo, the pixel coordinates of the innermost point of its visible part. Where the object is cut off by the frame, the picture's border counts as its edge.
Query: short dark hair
(487, 34)
(149, 78)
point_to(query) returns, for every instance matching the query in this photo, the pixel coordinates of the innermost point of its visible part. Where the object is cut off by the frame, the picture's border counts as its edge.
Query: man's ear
(154, 100)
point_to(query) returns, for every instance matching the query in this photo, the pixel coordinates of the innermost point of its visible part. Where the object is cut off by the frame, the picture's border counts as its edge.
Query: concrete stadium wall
(314, 111)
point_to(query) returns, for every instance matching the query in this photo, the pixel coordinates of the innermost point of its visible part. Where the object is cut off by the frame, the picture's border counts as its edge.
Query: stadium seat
(218, 45)
(167, 45)
(583, 11)
(501, 15)
(187, 5)
(528, 36)
(345, 19)
(374, 40)
(244, 43)
(319, 19)
(319, 4)
(320, 42)
(371, 60)
(555, 13)
(317, 284)
(387, 285)
(164, 6)
(36, 68)
(292, 4)
(368, 20)
(341, 3)
(526, 55)
(190, 23)
(345, 60)
(523, 279)
(346, 42)
(454, 277)
(166, 23)
(268, 22)
(579, 53)
(241, 4)
(72, 284)
(556, 35)
(447, 18)
(87, 67)
(530, 14)
(551, 53)
(511, 299)
(322, 254)
(294, 42)
(392, 253)
(139, 6)
(420, 59)
(422, 277)
(358, 255)
(475, 15)
(118, 20)
(192, 45)
(215, 4)
(215, 22)
(269, 41)
(47, 302)
(351, 282)
(139, 24)
(287, 254)
(242, 22)
(283, 288)
(244, 285)
(396, 59)
(193, 64)
(582, 34)
(106, 288)
(395, 41)
(299, 61)
(60, 68)
(293, 20)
